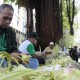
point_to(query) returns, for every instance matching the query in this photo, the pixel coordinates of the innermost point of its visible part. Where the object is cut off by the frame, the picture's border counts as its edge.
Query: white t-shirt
(23, 46)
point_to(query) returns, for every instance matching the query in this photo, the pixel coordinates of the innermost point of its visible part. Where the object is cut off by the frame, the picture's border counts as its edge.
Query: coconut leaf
(17, 74)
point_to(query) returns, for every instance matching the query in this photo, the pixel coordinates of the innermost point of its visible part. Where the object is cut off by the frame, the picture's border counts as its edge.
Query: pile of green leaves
(22, 73)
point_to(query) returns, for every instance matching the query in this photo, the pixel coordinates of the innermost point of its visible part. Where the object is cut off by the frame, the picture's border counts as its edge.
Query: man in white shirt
(27, 47)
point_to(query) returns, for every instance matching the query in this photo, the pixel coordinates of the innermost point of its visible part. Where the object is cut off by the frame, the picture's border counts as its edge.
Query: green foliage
(67, 39)
(20, 3)
(65, 18)
(9, 1)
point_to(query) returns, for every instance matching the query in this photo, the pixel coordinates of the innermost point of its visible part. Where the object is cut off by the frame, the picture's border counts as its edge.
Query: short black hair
(2, 6)
(33, 34)
(75, 47)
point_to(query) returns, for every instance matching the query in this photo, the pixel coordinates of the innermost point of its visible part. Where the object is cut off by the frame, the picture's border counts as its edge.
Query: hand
(16, 56)
(48, 52)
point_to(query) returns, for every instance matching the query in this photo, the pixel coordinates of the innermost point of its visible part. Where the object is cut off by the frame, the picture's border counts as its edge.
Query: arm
(35, 56)
(14, 47)
(47, 51)
(11, 40)
(31, 51)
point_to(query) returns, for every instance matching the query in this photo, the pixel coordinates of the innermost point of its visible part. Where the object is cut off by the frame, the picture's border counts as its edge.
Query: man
(74, 54)
(49, 50)
(70, 51)
(7, 35)
(27, 47)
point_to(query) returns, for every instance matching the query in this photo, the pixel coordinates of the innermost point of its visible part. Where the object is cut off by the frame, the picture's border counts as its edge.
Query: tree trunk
(29, 20)
(48, 21)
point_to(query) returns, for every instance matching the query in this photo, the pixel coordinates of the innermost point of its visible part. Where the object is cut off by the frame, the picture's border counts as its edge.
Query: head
(51, 44)
(6, 15)
(75, 47)
(33, 37)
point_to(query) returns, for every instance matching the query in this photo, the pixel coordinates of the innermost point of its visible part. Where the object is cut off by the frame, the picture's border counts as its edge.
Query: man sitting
(27, 47)
(49, 50)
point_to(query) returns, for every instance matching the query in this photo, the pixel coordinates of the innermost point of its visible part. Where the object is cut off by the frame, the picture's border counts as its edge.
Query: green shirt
(8, 40)
(3, 43)
(31, 49)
